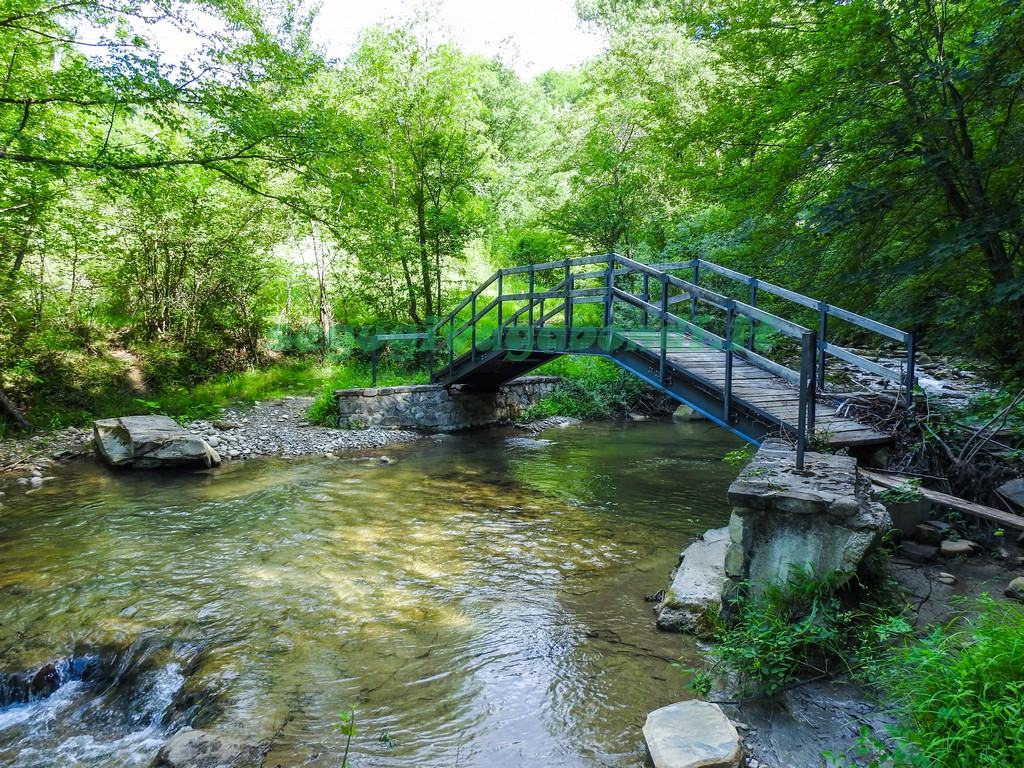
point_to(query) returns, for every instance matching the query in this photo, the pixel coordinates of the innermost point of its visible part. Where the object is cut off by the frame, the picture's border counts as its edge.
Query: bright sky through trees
(545, 33)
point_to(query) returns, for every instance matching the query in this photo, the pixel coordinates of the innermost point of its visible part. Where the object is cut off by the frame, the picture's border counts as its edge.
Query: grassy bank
(590, 388)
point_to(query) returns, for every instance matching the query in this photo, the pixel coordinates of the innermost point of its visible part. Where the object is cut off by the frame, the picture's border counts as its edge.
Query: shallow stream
(477, 601)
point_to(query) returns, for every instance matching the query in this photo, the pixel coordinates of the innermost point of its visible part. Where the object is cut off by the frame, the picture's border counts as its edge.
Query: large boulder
(148, 442)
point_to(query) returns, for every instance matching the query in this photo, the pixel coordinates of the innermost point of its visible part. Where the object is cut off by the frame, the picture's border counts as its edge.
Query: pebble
(947, 578)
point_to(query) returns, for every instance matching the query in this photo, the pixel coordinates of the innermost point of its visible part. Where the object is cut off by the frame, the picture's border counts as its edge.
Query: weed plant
(794, 631)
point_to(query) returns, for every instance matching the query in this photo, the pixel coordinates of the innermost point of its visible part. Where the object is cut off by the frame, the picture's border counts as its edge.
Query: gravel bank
(270, 428)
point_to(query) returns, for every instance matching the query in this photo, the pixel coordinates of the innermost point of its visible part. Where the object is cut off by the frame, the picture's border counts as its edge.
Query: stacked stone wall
(433, 408)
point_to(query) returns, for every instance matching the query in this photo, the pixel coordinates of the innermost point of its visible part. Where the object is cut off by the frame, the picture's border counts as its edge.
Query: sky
(544, 33)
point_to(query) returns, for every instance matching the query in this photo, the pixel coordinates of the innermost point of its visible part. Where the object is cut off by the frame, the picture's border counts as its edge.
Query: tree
(426, 148)
(871, 149)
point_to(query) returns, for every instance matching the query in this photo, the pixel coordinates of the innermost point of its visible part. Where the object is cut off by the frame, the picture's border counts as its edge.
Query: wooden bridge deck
(756, 388)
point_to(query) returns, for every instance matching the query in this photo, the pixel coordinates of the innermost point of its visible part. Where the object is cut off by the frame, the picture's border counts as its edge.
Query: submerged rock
(149, 442)
(192, 748)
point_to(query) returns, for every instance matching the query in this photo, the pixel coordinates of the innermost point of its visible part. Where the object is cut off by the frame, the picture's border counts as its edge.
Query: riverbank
(268, 428)
(807, 719)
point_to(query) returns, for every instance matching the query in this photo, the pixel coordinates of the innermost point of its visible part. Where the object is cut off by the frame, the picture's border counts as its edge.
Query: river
(475, 601)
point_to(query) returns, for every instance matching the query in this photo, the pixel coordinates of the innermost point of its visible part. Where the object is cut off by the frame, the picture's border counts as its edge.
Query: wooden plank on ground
(944, 499)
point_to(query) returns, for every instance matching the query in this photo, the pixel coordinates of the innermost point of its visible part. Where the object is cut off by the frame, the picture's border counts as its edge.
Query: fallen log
(944, 499)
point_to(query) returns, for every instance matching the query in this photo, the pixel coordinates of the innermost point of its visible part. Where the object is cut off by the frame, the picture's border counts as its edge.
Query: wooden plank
(944, 499)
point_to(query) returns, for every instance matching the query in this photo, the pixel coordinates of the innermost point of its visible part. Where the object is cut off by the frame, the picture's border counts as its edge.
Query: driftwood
(945, 500)
(7, 407)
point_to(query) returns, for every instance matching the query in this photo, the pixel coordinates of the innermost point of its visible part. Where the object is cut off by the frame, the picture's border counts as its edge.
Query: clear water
(477, 601)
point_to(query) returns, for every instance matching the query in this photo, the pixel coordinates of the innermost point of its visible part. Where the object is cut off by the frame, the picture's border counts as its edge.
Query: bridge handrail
(798, 298)
(789, 328)
(905, 379)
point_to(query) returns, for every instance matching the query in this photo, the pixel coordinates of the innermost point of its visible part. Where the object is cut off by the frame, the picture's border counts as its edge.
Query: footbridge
(714, 339)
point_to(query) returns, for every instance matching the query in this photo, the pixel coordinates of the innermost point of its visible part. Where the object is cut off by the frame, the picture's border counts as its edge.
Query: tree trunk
(421, 225)
(9, 408)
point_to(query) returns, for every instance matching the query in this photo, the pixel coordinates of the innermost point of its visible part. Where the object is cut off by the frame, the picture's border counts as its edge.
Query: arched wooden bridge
(752, 371)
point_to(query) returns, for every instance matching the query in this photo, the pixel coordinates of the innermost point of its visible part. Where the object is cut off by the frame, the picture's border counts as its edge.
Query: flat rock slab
(697, 584)
(150, 442)
(692, 734)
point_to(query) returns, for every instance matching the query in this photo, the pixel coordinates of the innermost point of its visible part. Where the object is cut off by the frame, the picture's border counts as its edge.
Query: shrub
(790, 632)
(590, 388)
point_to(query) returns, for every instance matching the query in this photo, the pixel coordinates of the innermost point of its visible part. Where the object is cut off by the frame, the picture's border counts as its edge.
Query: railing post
(567, 309)
(909, 383)
(501, 302)
(805, 419)
(373, 366)
(822, 340)
(753, 322)
(730, 323)
(451, 346)
(646, 296)
(609, 297)
(472, 328)
(664, 329)
(530, 298)
(696, 281)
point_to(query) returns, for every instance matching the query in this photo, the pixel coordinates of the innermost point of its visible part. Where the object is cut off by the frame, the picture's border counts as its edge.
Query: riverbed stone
(1015, 590)
(686, 413)
(957, 548)
(149, 442)
(697, 585)
(193, 748)
(692, 734)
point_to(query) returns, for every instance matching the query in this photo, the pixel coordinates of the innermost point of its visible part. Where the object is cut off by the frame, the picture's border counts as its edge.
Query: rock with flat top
(150, 442)
(692, 734)
(1016, 589)
(696, 586)
(958, 548)
(1014, 491)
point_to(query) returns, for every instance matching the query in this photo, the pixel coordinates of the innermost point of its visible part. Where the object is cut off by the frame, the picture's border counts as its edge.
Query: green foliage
(739, 456)
(347, 727)
(786, 633)
(904, 493)
(958, 693)
(590, 388)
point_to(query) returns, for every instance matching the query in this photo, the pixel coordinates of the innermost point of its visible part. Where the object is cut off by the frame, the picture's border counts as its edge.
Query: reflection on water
(478, 602)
